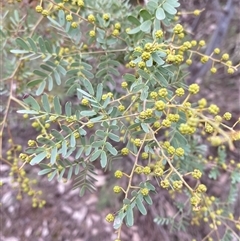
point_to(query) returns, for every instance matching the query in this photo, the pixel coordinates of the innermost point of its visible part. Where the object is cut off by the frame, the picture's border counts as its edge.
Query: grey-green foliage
(88, 76)
(71, 63)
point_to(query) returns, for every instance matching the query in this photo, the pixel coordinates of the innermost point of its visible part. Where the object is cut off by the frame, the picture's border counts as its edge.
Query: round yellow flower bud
(39, 9)
(69, 18)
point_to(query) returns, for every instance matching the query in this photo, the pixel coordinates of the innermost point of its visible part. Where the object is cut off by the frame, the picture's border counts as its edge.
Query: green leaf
(136, 88)
(113, 137)
(214, 173)
(57, 106)
(48, 46)
(119, 220)
(95, 155)
(45, 141)
(126, 201)
(106, 102)
(182, 141)
(113, 112)
(129, 77)
(79, 152)
(72, 90)
(156, 24)
(31, 112)
(103, 159)
(228, 236)
(42, 45)
(77, 169)
(161, 79)
(113, 71)
(41, 88)
(40, 73)
(46, 67)
(63, 150)
(160, 14)
(163, 220)
(84, 92)
(34, 82)
(222, 155)
(50, 83)
(144, 93)
(57, 135)
(67, 27)
(82, 191)
(152, 6)
(69, 152)
(72, 140)
(174, 3)
(143, 74)
(38, 158)
(61, 70)
(99, 92)
(67, 129)
(96, 119)
(82, 132)
(19, 51)
(44, 171)
(134, 126)
(140, 206)
(32, 103)
(157, 58)
(105, 124)
(51, 64)
(93, 102)
(88, 150)
(53, 155)
(88, 113)
(233, 194)
(87, 84)
(145, 127)
(111, 149)
(114, 127)
(101, 72)
(146, 26)
(45, 103)
(148, 200)
(16, 16)
(53, 174)
(129, 216)
(22, 43)
(61, 174)
(68, 109)
(54, 22)
(133, 20)
(100, 133)
(57, 77)
(86, 66)
(235, 177)
(134, 30)
(134, 193)
(150, 186)
(32, 44)
(149, 63)
(145, 14)
(169, 8)
(70, 171)
(87, 74)
(98, 143)
(34, 150)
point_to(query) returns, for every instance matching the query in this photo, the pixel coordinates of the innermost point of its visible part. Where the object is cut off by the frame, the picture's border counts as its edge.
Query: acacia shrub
(126, 66)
